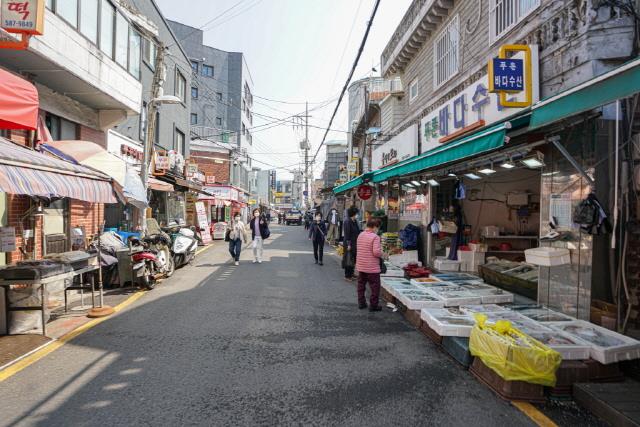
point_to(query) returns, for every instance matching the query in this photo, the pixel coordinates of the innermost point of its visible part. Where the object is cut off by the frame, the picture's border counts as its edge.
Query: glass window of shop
(89, 19)
(134, 53)
(107, 22)
(67, 10)
(176, 207)
(122, 40)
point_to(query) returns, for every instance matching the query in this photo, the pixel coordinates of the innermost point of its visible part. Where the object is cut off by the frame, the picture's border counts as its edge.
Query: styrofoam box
(456, 277)
(396, 289)
(482, 308)
(448, 322)
(427, 282)
(454, 297)
(605, 346)
(444, 264)
(394, 280)
(544, 315)
(404, 257)
(489, 294)
(393, 272)
(479, 247)
(569, 347)
(520, 322)
(420, 301)
(548, 256)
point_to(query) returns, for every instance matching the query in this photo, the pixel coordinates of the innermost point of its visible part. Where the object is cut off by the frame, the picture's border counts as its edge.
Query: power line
(353, 69)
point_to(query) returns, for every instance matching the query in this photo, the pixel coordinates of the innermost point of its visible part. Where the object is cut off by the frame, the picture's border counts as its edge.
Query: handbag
(227, 237)
(383, 267)
(347, 260)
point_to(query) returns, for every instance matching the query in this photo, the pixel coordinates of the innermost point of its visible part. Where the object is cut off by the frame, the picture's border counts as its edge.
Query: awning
(90, 154)
(18, 102)
(468, 146)
(620, 83)
(156, 184)
(359, 180)
(23, 171)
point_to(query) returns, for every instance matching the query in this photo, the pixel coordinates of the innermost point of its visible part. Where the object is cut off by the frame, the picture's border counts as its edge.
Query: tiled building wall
(207, 163)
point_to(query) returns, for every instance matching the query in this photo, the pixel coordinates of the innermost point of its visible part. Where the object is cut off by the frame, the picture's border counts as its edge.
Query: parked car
(294, 216)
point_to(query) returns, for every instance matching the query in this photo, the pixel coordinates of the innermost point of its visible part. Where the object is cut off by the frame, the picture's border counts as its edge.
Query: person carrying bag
(318, 235)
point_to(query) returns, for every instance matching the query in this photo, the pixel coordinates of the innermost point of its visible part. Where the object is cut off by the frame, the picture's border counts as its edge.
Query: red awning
(18, 102)
(156, 184)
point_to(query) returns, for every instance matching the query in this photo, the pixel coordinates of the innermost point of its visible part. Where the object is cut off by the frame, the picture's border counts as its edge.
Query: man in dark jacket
(351, 231)
(259, 233)
(317, 234)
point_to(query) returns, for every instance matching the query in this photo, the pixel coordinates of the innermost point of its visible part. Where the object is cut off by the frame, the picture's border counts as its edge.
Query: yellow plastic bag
(512, 354)
(340, 250)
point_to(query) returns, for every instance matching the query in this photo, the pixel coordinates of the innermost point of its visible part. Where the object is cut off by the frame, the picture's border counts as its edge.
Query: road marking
(33, 357)
(534, 414)
(199, 251)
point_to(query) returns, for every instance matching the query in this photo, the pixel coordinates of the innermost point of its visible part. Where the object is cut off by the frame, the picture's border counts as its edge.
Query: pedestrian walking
(259, 233)
(334, 225)
(350, 243)
(236, 234)
(317, 234)
(268, 217)
(368, 262)
(308, 219)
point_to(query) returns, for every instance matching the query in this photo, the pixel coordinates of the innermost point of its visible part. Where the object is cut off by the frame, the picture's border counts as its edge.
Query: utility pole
(306, 155)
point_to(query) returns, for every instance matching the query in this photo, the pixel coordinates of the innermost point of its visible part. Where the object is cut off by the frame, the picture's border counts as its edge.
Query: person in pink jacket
(369, 253)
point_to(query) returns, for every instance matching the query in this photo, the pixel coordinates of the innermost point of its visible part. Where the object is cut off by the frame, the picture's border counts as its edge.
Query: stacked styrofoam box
(489, 294)
(605, 346)
(448, 322)
(456, 277)
(544, 315)
(469, 260)
(482, 308)
(404, 258)
(418, 299)
(444, 264)
(454, 295)
(393, 270)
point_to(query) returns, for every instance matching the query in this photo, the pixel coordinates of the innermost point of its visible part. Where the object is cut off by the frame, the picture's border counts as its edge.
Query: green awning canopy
(472, 145)
(620, 83)
(353, 183)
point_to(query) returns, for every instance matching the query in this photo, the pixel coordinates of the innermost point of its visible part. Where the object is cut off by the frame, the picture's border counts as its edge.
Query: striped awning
(28, 172)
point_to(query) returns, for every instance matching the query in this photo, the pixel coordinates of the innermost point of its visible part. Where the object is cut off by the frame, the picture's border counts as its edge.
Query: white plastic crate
(548, 256)
(605, 346)
(444, 264)
(448, 322)
(418, 301)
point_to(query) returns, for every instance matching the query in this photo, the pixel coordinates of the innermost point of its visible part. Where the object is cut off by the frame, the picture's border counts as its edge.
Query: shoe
(259, 261)
(348, 279)
(362, 306)
(376, 308)
(236, 263)
(255, 260)
(316, 261)
(320, 263)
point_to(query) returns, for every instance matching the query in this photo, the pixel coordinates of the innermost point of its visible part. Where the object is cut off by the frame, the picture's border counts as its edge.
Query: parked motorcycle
(185, 243)
(160, 243)
(143, 263)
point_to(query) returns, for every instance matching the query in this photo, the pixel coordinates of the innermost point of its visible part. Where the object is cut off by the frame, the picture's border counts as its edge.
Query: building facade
(221, 98)
(335, 161)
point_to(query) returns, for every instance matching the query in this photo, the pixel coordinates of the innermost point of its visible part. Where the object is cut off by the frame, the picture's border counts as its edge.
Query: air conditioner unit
(395, 87)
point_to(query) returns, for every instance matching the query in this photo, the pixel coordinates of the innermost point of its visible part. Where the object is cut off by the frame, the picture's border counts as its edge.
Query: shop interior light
(415, 183)
(534, 161)
(422, 181)
(472, 176)
(432, 182)
(508, 164)
(408, 184)
(488, 171)
(451, 174)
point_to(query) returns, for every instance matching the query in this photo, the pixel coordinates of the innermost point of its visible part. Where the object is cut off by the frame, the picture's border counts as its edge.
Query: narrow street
(279, 343)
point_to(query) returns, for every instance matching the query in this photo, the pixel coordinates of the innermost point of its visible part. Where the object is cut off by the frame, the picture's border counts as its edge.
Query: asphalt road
(278, 343)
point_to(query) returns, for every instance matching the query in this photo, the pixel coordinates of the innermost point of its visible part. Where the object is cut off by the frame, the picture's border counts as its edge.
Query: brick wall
(87, 134)
(17, 206)
(19, 136)
(87, 215)
(207, 163)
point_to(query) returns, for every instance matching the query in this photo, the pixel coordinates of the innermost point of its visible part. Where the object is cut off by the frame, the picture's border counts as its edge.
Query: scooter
(160, 243)
(143, 264)
(184, 244)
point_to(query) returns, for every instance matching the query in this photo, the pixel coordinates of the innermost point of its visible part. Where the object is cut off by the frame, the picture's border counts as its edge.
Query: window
(506, 14)
(194, 119)
(68, 10)
(219, 95)
(149, 52)
(194, 92)
(445, 53)
(180, 86)
(218, 121)
(122, 39)
(107, 18)
(413, 90)
(179, 142)
(207, 70)
(194, 66)
(134, 53)
(61, 129)
(89, 19)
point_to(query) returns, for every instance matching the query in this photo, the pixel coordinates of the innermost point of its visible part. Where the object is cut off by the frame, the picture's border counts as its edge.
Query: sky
(297, 51)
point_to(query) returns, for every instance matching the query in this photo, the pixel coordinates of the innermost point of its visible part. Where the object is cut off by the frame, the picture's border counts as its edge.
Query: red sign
(365, 192)
(210, 179)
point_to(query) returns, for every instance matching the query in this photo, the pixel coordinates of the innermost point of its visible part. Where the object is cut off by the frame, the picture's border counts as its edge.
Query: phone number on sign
(13, 23)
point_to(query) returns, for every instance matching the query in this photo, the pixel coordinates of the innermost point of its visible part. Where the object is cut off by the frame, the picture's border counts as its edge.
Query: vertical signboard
(22, 16)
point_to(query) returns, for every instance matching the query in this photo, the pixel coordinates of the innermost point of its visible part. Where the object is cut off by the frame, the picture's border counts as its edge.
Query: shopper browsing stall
(334, 225)
(368, 261)
(317, 233)
(259, 233)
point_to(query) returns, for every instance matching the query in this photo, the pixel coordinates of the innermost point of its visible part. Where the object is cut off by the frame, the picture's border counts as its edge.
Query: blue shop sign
(508, 75)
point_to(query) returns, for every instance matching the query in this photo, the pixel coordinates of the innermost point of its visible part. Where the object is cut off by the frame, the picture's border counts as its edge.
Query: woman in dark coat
(351, 230)
(317, 234)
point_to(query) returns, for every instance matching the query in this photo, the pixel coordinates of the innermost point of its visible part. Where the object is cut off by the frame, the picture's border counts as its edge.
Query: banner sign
(508, 75)
(397, 149)
(22, 16)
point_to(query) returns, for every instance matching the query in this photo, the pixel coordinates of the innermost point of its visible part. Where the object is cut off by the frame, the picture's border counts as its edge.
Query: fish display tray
(544, 315)
(455, 296)
(393, 272)
(482, 308)
(430, 333)
(508, 390)
(448, 322)
(456, 277)
(569, 347)
(605, 346)
(419, 300)
(489, 294)
(519, 321)
(458, 349)
(426, 282)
